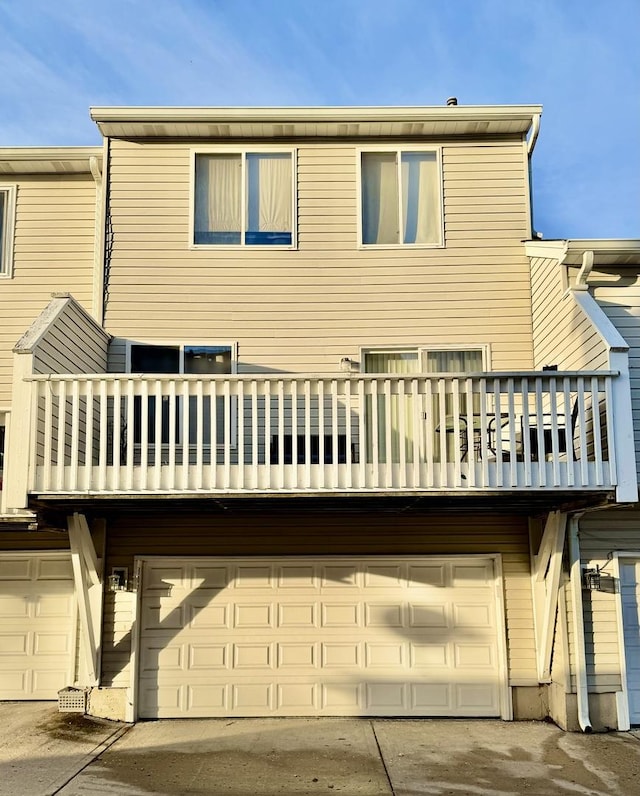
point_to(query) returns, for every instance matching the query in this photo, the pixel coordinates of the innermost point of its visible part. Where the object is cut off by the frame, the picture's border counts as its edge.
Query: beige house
(306, 431)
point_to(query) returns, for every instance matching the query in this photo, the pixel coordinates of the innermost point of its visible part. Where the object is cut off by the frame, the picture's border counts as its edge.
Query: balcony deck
(115, 434)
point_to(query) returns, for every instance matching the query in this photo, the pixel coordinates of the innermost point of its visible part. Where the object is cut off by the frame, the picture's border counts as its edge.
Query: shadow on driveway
(360, 757)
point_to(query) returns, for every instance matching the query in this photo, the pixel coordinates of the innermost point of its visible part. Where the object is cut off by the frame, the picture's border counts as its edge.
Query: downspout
(100, 177)
(582, 691)
(96, 303)
(531, 143)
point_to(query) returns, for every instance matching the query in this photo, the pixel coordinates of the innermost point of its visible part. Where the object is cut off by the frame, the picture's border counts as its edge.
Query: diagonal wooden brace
(547, 569)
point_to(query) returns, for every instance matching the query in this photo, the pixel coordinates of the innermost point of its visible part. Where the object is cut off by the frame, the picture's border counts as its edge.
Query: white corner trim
(622, 696)
(609, 335)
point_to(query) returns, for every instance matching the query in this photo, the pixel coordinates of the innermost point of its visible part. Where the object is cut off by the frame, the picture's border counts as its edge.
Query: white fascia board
(600, 321)
(59, 160)
(605, 245)
(549, 249)
(314, 114)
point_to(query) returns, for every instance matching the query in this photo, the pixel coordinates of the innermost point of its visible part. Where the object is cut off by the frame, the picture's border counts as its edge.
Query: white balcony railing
(115, 434)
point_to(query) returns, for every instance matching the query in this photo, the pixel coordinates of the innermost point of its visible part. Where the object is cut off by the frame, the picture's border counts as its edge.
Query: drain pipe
(578, 624)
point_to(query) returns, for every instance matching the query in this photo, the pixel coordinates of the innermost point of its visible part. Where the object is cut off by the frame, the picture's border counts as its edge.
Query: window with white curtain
(7, 209)
(401, 198)
(244, 199)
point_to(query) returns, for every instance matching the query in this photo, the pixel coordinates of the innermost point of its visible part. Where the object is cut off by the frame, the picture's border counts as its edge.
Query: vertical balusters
(143, 400)
(88, 437)
(526, 433)
(157, 434)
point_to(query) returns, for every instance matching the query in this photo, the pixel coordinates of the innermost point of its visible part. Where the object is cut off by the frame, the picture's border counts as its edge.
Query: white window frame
(8, 225)
(398, 150)
(243, 152)
(484, 348)
(422, 350)
(181, 345)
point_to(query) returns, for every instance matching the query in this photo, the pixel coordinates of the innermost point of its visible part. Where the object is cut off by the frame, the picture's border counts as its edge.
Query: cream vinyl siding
(621, 303)
(559, 325)
(303, 310)
(188, 535)
(53, 252)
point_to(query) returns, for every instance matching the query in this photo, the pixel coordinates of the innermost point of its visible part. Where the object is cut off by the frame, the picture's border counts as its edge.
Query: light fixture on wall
(592, 578)
(118, 579)
(349, 365)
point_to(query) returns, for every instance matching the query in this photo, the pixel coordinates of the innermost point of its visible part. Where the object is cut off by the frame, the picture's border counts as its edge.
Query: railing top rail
(276, 377)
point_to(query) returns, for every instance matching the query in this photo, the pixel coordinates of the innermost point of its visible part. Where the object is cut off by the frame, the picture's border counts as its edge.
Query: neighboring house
(604, 669)
(48, 236)
(315, 440)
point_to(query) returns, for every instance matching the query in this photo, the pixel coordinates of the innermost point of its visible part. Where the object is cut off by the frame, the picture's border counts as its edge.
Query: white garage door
(307, 637)
(630, 594)
(37, 624)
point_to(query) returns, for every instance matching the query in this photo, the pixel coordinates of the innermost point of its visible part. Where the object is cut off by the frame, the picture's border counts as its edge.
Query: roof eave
(141, 120)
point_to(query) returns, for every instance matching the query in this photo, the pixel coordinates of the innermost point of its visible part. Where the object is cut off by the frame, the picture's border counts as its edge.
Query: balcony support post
(547, 568)
(620, 429)
(19, 442)
(87, 569)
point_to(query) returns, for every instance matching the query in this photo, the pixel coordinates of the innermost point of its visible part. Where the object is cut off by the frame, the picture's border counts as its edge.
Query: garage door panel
(298, 615)
(427, 575)
(37, 625)
(428, 615)
(472, 615)
(18, 643)
(297, 577)
(16, 569)
(53, 569)
(14, 606)
(471, 575)
(383, 577)
(369, 638)
(384, 615)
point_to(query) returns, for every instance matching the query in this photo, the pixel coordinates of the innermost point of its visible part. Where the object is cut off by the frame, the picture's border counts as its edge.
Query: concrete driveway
(305, 757)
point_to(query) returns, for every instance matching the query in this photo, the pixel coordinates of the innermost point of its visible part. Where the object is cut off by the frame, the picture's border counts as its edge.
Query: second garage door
(37, 625)
(331, 637)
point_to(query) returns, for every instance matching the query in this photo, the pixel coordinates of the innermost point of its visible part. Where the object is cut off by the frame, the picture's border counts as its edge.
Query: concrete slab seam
(65, 779)
(382, 760)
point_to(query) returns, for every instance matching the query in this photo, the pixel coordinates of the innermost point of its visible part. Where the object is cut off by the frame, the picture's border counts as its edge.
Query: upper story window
(401, 197)
(7, 210)
(244, 198)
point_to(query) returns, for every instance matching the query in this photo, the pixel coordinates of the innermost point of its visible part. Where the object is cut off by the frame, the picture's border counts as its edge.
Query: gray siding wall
(619, 296)
(72, 344)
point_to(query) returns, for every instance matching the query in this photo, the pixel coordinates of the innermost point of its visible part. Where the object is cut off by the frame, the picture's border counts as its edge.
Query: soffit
(337, 122)
(47, 160)
(605, 252)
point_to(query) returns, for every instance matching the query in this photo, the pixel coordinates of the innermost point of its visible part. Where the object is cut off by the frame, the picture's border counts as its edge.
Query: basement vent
(72, 700)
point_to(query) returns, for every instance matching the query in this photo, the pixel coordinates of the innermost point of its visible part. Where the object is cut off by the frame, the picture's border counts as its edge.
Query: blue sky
(578, 58)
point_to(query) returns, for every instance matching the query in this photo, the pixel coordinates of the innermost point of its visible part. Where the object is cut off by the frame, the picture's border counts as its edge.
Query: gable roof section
(315, 122)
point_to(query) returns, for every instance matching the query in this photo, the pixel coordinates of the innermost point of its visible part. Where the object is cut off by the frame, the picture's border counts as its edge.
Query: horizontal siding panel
(348, 295)
(53, 252)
